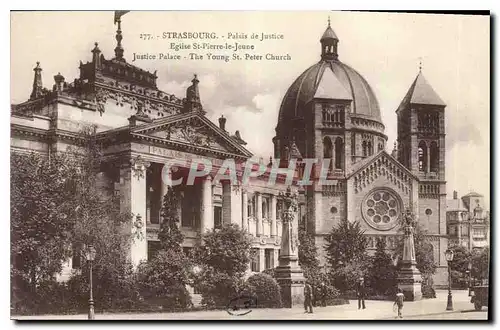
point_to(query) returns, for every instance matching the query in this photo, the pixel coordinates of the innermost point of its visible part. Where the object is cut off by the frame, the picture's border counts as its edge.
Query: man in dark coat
(360, 291)
(323, 294)
(308, 298)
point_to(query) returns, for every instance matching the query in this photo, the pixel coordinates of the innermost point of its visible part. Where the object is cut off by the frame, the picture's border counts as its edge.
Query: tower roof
(421, 92)
(329, 34)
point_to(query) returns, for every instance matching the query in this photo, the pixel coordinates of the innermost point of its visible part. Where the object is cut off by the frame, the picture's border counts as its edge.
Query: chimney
(222, 123)
(455, 194)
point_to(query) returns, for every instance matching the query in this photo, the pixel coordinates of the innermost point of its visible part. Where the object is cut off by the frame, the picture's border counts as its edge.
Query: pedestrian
(308, 298)
(323, 294)
(360, 291)
(399, 302)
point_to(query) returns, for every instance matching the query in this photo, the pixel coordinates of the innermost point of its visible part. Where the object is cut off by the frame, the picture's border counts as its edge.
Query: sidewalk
(374, 310)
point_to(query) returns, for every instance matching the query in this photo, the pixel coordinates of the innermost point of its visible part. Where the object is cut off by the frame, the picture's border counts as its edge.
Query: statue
(409, 277)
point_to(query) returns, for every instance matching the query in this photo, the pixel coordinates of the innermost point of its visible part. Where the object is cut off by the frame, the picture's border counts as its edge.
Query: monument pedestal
(289, 275)
(290, 278)
(409, 277)
(410, 281)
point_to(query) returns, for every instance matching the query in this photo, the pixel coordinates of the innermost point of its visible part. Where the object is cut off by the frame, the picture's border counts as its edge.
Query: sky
(386, 48)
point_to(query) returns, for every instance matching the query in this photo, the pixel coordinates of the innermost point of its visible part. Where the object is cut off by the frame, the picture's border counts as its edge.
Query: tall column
(244, 197)
(166, 173)
(428, 158)
(133, 200)
(273, 216)
(262, 259)
(236, 205)
(258, 216)
(207, 212)
(226, 202)
(231, 203)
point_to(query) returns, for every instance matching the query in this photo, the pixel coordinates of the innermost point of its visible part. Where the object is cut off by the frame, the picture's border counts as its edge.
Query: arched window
(327, 150)
(434, 157)
(370, 149)
(339, 153)
(422, 156)
(380, 147)
(365, 149)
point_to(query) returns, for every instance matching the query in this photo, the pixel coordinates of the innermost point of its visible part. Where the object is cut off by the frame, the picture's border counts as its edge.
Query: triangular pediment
(381, 158)
(194, 131)
(371, 170)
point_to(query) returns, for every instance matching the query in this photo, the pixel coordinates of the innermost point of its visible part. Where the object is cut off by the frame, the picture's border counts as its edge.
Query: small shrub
(218, 289)
(428, 287)
(265, 289)
(162, 281)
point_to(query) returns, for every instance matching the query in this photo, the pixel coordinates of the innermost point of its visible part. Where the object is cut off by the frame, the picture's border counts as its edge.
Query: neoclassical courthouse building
(329, 112)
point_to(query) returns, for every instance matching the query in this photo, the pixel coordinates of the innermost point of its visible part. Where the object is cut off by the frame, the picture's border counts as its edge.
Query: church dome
(304, 88)
(345, 83)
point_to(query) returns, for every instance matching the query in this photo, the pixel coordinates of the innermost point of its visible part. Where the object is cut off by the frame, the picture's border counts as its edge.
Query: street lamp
(90, 256)
(449, 257)
(469, 272)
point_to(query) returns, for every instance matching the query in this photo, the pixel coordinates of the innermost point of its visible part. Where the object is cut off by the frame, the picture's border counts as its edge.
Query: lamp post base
(449, 306)
(91, 310)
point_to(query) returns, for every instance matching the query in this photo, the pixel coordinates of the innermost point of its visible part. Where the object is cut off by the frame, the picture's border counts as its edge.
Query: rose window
(381, 209)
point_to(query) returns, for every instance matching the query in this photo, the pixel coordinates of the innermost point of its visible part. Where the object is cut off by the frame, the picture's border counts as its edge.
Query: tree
(163, 280)
(226, 250)
(265, 289)
(461, 258)
(460, 265)
(308, 255)
(382, 274)
(41, 218)
(99, 222)
(345, 243)
(346, 254)
(170, 235)
(480, 263)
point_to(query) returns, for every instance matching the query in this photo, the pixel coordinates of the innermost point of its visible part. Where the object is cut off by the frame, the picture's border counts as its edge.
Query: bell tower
(421, 131)
(421, 149)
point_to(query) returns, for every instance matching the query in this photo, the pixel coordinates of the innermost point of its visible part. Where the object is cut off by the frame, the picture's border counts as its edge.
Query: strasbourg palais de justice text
(240, 51)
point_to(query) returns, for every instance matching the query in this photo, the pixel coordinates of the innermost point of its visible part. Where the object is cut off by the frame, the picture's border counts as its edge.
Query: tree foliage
(346, 254)
(480, 263)
(170, 235)
(42, 217)
(383, 274)
(225, 250)
(60, 206)
(265, 289)
(308, 255)
(163, 280)
(461, 258)
(345, 244)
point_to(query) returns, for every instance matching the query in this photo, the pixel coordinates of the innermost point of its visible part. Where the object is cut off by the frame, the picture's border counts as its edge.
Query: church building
(329, 112)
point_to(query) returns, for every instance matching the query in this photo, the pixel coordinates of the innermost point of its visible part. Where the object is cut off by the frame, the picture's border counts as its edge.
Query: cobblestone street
(424, 309)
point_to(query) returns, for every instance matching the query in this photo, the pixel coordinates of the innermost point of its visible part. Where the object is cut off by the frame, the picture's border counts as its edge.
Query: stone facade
(329, 113)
